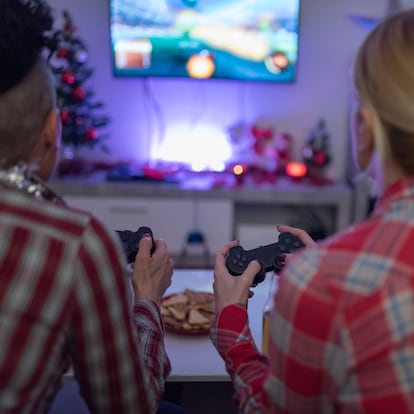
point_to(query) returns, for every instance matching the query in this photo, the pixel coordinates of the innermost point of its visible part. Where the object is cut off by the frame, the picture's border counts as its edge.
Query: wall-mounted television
(253, 40)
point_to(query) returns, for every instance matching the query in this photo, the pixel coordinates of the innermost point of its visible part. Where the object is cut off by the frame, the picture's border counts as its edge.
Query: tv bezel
(122, 75)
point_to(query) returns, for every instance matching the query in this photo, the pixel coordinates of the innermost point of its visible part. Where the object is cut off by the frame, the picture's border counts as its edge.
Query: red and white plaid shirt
(65, 299)
(342, 325)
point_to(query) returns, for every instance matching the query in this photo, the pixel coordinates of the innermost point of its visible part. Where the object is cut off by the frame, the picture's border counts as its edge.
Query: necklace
(21, 177)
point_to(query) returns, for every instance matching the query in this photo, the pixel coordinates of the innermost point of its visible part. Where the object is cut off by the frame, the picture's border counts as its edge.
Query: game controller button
(297, 244)
(241, 264)
(234, 261)
(244, 258)
(238, 256)
(283, 248)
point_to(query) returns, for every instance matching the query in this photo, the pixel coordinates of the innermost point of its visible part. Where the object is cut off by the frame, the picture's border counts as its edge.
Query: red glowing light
(296, 169)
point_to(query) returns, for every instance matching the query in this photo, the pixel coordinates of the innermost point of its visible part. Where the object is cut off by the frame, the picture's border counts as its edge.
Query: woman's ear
(49, 144)
(367, 128)
(365, 143)
(51, 130)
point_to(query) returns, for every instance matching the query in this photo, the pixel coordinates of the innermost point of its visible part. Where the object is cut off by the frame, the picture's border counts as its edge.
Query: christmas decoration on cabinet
(316, 152)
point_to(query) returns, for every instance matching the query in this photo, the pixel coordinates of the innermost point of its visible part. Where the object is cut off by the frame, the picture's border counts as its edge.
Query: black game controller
(130, 241)
(268, 256)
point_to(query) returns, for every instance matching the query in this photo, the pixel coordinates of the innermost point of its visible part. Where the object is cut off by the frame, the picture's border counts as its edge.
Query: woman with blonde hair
(342, 336)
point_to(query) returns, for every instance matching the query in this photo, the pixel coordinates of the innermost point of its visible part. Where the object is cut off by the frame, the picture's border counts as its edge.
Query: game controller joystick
(268, 256)
(130, 241)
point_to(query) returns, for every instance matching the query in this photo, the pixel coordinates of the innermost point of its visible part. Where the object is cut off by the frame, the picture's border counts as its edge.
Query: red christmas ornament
(262, 133)
(320, 158)
(68, 77)
(91, 134)
(79, 93)
(259, 146)
(64, 116)
(63, 52)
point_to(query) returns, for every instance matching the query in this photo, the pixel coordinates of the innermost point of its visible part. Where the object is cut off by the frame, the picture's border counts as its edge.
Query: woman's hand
(228, 289)
(152, 274)
(301, 234)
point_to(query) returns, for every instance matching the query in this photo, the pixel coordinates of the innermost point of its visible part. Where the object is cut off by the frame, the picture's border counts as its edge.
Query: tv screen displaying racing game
(253, 40)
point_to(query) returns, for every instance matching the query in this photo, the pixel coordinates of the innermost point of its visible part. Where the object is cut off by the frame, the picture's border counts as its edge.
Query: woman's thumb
(251, 271)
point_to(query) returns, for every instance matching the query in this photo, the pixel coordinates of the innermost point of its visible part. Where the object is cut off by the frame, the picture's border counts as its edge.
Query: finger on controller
(130, 241)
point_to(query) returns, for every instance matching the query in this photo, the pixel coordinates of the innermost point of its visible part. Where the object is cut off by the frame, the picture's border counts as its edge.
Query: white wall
(329, 40)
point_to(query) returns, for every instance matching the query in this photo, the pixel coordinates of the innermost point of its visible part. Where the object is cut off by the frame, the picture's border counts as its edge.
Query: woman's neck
(390, 174)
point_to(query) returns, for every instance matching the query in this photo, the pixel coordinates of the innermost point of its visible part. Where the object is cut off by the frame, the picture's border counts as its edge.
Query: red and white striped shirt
(342, 325)
(65, 300)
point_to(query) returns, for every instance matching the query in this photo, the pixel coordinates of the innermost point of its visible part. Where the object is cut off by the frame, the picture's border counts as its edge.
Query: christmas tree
(81, 115)
(316, 151)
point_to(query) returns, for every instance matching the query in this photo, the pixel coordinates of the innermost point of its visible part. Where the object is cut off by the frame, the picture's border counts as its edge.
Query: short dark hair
(27, 89)
(24, 27)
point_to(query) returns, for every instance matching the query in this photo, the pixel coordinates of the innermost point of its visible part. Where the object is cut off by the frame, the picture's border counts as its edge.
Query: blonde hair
(384, 80)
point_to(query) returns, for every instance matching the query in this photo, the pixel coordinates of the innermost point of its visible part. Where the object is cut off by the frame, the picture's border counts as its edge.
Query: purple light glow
(204, 146)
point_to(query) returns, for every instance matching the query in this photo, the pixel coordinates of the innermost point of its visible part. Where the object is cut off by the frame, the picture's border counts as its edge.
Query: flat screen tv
(253, 40)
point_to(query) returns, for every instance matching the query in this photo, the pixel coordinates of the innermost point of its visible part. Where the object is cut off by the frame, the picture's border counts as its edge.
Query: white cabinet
(220, 214)
(169, 218)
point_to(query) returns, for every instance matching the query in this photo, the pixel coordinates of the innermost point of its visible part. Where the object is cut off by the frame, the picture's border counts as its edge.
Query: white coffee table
(194, 358)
